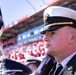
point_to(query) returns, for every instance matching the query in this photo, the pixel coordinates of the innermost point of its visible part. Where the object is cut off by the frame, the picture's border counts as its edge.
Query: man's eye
(52, 33)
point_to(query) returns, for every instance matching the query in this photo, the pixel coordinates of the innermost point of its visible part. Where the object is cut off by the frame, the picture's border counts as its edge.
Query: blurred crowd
(21, 52)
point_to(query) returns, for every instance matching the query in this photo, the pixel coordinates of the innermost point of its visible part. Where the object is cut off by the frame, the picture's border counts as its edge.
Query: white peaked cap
(57, 16)
(60, 11)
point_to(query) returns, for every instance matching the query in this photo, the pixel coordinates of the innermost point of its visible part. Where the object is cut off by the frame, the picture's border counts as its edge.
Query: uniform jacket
(70, 68)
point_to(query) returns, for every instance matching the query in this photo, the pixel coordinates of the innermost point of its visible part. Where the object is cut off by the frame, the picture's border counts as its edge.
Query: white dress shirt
(65, 61)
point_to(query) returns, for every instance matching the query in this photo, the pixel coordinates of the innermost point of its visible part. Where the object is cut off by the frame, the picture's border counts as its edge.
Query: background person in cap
(10, 67)
(60, 38)
(7, 66)
(1, 31)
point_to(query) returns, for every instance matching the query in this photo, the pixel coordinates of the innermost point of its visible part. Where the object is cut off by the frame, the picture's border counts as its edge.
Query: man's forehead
(62, 29)
(53, 30)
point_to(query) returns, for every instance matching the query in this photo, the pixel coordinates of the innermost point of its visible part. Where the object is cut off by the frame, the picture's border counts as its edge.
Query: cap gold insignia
(70, 68)
(45, 18)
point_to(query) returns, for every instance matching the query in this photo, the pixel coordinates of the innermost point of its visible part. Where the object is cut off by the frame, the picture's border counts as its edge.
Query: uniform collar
(65, 61)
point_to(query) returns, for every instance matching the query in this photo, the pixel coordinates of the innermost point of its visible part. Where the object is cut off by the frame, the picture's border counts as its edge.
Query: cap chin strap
(9, 72)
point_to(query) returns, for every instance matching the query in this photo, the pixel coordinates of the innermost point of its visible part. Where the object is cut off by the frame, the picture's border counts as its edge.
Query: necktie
(58, 69)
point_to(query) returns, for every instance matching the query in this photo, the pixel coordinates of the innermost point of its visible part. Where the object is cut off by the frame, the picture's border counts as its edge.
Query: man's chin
(49, 53)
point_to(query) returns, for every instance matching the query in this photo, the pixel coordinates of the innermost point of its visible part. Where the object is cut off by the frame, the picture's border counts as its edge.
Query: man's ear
(73, 37)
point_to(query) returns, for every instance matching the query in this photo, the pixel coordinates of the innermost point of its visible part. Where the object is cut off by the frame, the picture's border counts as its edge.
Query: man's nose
(46, 38)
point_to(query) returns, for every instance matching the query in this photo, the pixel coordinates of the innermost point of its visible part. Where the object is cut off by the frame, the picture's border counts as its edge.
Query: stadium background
(22, 38)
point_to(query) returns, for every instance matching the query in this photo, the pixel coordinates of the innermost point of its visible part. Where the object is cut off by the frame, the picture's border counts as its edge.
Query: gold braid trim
(31, 62)
(60, 23)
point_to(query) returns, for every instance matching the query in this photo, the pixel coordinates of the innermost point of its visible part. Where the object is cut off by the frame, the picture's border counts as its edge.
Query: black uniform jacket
(70, 68)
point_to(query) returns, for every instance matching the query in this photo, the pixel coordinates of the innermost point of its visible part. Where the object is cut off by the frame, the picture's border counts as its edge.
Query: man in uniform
(7, 66)
(60, 38)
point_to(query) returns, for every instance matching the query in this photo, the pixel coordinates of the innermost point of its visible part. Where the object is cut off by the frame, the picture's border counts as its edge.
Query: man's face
(56, 42)
(32, 67)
